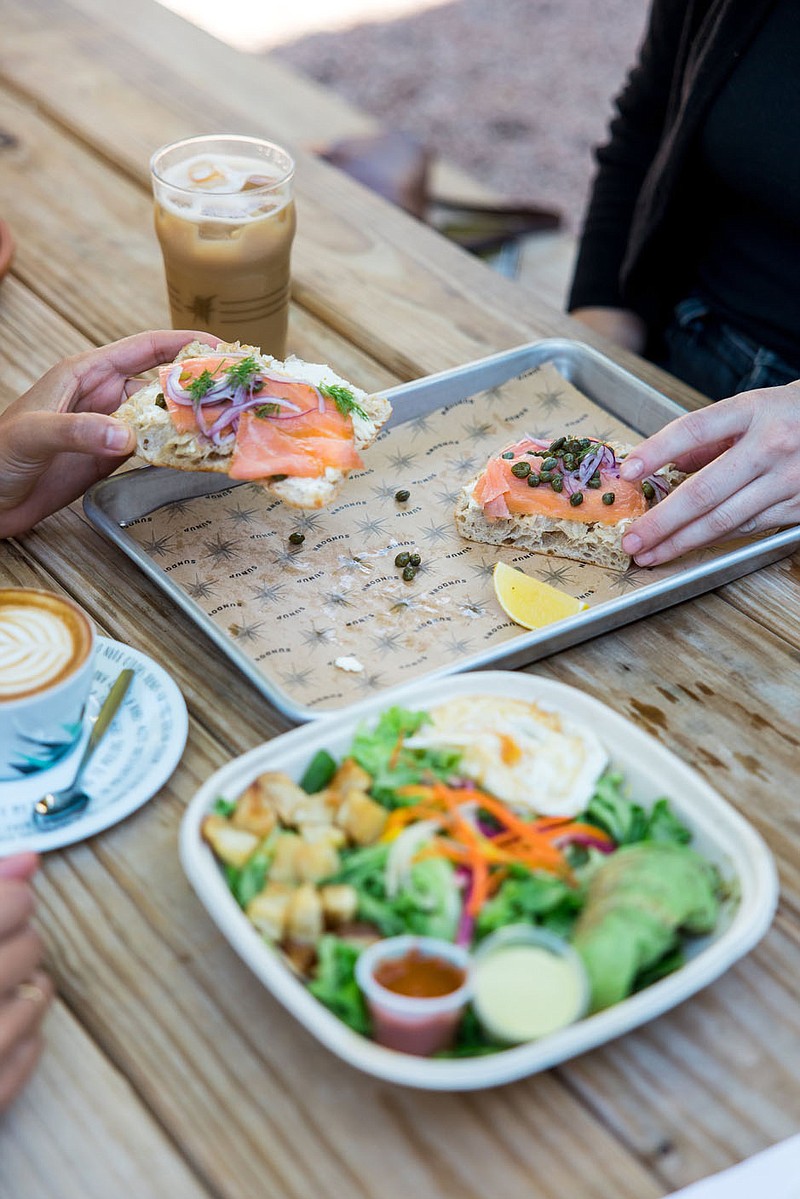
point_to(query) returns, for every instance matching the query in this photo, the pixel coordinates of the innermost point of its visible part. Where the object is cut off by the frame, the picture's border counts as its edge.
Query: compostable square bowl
(650, 770)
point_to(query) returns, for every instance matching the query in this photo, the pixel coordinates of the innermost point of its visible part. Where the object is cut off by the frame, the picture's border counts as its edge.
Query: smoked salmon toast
(295, 427)
(562, 497)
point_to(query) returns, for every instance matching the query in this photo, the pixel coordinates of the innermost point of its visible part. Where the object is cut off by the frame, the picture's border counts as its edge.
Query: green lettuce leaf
(334, 982)
(392, 764)
(628, 822)
(527, 898)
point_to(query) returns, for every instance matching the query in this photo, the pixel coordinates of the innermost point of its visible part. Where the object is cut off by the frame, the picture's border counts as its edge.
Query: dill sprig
(200, 386)
(242, 373)
(344, 399)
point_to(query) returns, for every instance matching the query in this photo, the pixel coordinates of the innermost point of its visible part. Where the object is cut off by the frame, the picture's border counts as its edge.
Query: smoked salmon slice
(502, 493)
(300, 440)
(299, 446)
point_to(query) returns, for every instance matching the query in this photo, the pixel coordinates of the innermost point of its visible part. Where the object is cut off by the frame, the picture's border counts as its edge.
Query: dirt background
(516, 92)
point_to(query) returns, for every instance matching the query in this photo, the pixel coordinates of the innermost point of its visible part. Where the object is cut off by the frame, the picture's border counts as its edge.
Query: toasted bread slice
(557, 528)
(160, 443)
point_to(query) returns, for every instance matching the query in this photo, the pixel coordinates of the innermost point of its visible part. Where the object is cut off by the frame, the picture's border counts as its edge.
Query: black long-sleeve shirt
(699, 183)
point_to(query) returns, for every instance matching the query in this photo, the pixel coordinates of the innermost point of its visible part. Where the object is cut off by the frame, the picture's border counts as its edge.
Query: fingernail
(117, 437)
(631, 543)
(644, 559)
(631, 468)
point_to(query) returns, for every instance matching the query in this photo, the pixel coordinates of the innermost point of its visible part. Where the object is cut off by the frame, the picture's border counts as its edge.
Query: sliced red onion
(536, 441)
(466, 923)
(234, 411)
(659, 485)
(181, 396)
(584, 839)
(589, 465)
(296, 409)
(609, 464)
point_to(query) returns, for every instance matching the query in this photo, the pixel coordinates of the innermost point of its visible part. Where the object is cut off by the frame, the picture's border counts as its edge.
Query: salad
(454, 824)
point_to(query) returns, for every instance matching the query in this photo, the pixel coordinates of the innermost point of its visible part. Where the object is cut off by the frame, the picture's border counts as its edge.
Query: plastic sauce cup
(411, 1023)
(527, 983)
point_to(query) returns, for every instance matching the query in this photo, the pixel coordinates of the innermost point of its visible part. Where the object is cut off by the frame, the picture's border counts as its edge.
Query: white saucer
(134, 759)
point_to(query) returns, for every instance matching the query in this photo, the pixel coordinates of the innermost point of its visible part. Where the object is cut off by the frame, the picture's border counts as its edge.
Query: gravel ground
(516, 92)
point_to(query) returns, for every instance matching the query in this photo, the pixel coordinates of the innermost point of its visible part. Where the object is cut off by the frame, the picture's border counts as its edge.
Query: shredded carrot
(520, 842)
(480, 887)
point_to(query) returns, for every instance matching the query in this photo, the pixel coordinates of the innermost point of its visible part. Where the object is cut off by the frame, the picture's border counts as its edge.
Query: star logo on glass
(201, 308)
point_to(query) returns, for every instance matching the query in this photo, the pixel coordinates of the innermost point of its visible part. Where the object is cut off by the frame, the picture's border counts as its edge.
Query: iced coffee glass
(224, 216)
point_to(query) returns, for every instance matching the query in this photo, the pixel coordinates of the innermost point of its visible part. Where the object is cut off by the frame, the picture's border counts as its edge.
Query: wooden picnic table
(169, 1070)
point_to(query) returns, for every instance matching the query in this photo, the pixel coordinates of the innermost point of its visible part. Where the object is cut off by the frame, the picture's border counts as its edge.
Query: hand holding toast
(59, 437)
(745, 451)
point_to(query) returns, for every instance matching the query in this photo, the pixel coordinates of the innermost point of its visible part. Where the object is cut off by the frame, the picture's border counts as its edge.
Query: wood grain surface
(169, 1070)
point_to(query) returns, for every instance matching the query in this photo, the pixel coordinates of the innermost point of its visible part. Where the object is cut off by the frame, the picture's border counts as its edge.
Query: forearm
(620, 325)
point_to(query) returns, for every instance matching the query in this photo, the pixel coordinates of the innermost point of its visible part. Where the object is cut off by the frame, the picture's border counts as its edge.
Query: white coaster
(133, 760)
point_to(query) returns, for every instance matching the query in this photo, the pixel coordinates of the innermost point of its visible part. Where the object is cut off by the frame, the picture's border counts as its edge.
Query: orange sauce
(418, 975)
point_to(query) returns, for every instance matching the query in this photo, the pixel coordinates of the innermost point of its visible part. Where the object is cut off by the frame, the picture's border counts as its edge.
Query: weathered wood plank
(349, 240)
(110, 1145)
(198, 1036)
(672, 1124)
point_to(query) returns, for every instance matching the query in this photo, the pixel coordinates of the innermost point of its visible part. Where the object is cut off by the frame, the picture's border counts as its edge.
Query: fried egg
(534, 758)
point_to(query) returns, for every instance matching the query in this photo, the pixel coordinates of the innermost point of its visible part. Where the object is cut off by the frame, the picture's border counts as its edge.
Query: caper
(594, 481)
(414, 560)
(550, 464)
(159, 401)
(533, 479)
(402, 558)
(409, 572)
(576, 499)
(584, 443)
(545, 476)
(569, 461)
(521, 470)
(608, 497)
(556, 445)
(297, 538)
(649, 490)
(508, 454)
(557, 483)
(258, 385)
(402, 496)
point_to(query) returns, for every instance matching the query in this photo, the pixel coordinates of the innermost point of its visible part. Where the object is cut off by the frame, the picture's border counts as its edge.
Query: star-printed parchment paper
(332, 620)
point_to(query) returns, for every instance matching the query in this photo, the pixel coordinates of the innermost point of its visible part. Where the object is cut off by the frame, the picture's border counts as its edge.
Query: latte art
(42, 640)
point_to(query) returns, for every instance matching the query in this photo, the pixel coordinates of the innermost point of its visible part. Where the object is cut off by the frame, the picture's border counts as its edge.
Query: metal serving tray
(306, 619)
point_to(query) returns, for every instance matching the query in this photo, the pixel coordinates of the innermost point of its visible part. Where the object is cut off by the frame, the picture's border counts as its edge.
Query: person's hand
(58, 438)
(619, 325)
(25, 990)
(746, 452)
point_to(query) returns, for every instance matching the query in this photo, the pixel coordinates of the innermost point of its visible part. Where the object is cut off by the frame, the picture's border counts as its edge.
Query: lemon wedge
(529, 602)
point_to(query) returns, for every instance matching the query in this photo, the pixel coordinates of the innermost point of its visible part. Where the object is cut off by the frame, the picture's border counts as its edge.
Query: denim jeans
(716, 359)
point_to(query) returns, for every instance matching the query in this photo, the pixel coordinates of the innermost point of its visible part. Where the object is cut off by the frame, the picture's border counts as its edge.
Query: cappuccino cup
(46, 670)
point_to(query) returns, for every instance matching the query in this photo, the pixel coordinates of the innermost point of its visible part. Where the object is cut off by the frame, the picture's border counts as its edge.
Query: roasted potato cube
(339, 902)
(284, 868)
(313, 862)
(254, 812)
(269, 909)
(231, 845)
(304, 918)
(350, 777)
(361, 818)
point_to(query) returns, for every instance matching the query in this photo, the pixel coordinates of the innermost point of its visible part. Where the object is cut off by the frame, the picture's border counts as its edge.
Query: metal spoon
(68, 802)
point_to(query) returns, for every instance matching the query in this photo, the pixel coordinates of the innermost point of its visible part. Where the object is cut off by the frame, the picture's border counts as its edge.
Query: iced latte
(225, 219)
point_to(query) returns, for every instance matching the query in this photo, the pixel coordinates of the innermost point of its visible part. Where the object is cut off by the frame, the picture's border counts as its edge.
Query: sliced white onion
(401, 854)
